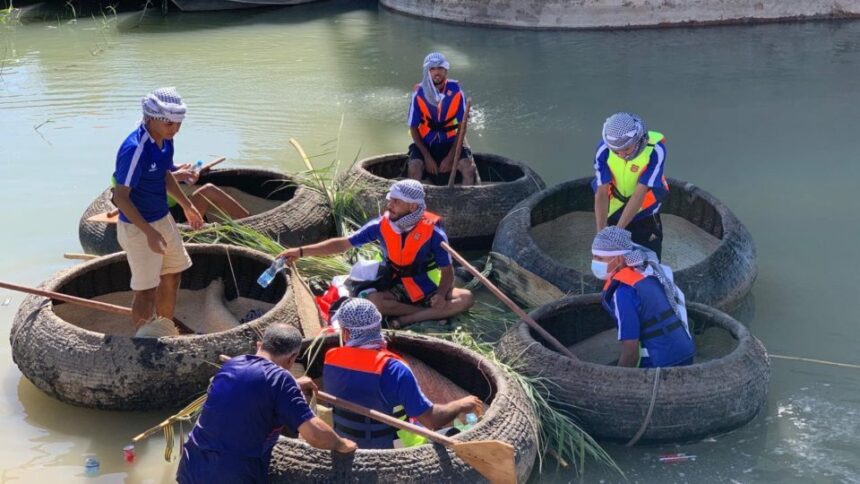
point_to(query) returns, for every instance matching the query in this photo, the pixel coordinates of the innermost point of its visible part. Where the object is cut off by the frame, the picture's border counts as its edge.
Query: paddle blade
(493, 459)
(308, 312)
(104, 217)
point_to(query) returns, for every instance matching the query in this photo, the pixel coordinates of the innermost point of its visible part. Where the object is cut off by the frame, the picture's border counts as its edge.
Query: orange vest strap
(360, 359)
(628, 276)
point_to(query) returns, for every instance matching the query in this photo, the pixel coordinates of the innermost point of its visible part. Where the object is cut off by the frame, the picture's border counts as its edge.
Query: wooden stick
(77, 256)
(458, 146)
(505, 299)
(98, 305)
(101, 306)
(212, 163)
(493, 459)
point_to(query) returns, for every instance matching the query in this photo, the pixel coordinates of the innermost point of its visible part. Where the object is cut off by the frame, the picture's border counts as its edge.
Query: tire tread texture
(509, 418)
(111, 372)
(611, 402)
(303, 218)
(720, 280)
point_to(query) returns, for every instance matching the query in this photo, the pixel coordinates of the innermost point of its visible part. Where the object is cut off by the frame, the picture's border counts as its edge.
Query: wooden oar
(306, 306)
(493, 459)
(98, 305)
(112, 216)
(77, 256)
(458, 146)
(505, 299)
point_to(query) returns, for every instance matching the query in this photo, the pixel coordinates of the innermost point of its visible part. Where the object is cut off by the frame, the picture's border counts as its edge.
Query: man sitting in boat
(146, 230)
(249, 401)
(435, 114)
(629, 185)
(418, 284)
(364, 372)
(641, 296)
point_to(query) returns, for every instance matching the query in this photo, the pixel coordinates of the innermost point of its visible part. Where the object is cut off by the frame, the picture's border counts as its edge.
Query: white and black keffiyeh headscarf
(164, 104)
(433, 59)
(613, 241)
(623, 130)
(409, 191)
(363, 321)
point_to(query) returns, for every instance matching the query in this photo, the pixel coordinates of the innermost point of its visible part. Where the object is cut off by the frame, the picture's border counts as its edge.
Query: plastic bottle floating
(91, 466)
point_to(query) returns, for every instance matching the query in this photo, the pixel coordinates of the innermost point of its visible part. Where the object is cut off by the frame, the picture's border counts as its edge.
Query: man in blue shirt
(629, 185)
(249, 401)
(418, 284)
(145, 230)
(641, 296)
(365, 372)
(437, 109)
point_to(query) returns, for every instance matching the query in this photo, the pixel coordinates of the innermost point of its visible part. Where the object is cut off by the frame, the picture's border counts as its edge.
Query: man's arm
(122, 199)
(446, 284)
(629, 353)
(601, 207)
(326, 247)
(320, 435)
(633, 205)
(195, 220)
(440, 415)
(429, 163)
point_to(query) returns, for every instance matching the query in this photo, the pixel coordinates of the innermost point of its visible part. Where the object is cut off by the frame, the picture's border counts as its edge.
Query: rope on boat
(650, 410)
(813, 360)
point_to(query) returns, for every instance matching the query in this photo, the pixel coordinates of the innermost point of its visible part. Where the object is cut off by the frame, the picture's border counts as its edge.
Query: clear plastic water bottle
(91, 466)
(198, 165)
(266, 277)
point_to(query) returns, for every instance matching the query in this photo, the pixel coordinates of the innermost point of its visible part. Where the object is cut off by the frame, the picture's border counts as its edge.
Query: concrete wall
(619, 13)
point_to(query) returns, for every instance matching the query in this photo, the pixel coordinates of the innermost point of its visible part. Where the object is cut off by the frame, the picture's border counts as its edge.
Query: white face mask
(600, 269)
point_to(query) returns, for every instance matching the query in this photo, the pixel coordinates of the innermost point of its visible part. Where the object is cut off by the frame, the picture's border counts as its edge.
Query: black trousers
(648, 232)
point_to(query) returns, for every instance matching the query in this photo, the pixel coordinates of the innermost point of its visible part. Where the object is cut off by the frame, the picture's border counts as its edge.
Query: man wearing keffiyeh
(436, 110)
(629, 185)
(640, 294)
(146, 230)
(365, 372)
(418, 280)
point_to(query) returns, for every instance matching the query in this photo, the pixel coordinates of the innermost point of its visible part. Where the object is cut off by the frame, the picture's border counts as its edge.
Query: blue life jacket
(354, 374)
(663, 338)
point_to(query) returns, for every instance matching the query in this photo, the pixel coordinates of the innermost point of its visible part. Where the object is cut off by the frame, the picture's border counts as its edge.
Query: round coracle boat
(91, 358)
(724, 387)
(508, 418)
(279, 207)
(470, 213)
(542, 247)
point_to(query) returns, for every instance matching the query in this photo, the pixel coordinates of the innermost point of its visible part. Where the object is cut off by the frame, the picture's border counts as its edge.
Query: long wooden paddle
(458, 146)
(98, 305)
(493, 459)
(112, 216)
(306, 306)
(505, 299)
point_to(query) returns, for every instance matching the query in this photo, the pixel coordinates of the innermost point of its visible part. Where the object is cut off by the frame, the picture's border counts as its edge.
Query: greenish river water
(763, 116)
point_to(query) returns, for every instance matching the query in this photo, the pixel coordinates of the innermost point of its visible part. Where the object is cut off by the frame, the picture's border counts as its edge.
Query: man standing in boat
(641, 296)
(146, 230)
(363, 371)
(418, 280)
(250, 399)
(436, 112)
(629, 186)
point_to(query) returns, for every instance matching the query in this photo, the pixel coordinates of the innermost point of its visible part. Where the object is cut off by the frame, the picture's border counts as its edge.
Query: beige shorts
(147, 267)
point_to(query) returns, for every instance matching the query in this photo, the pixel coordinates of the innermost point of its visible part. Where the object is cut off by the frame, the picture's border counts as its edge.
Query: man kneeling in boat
(418, 284)
(250, 399)
(146, 230)
(364, 372)
(642, 297)
(435, 115)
